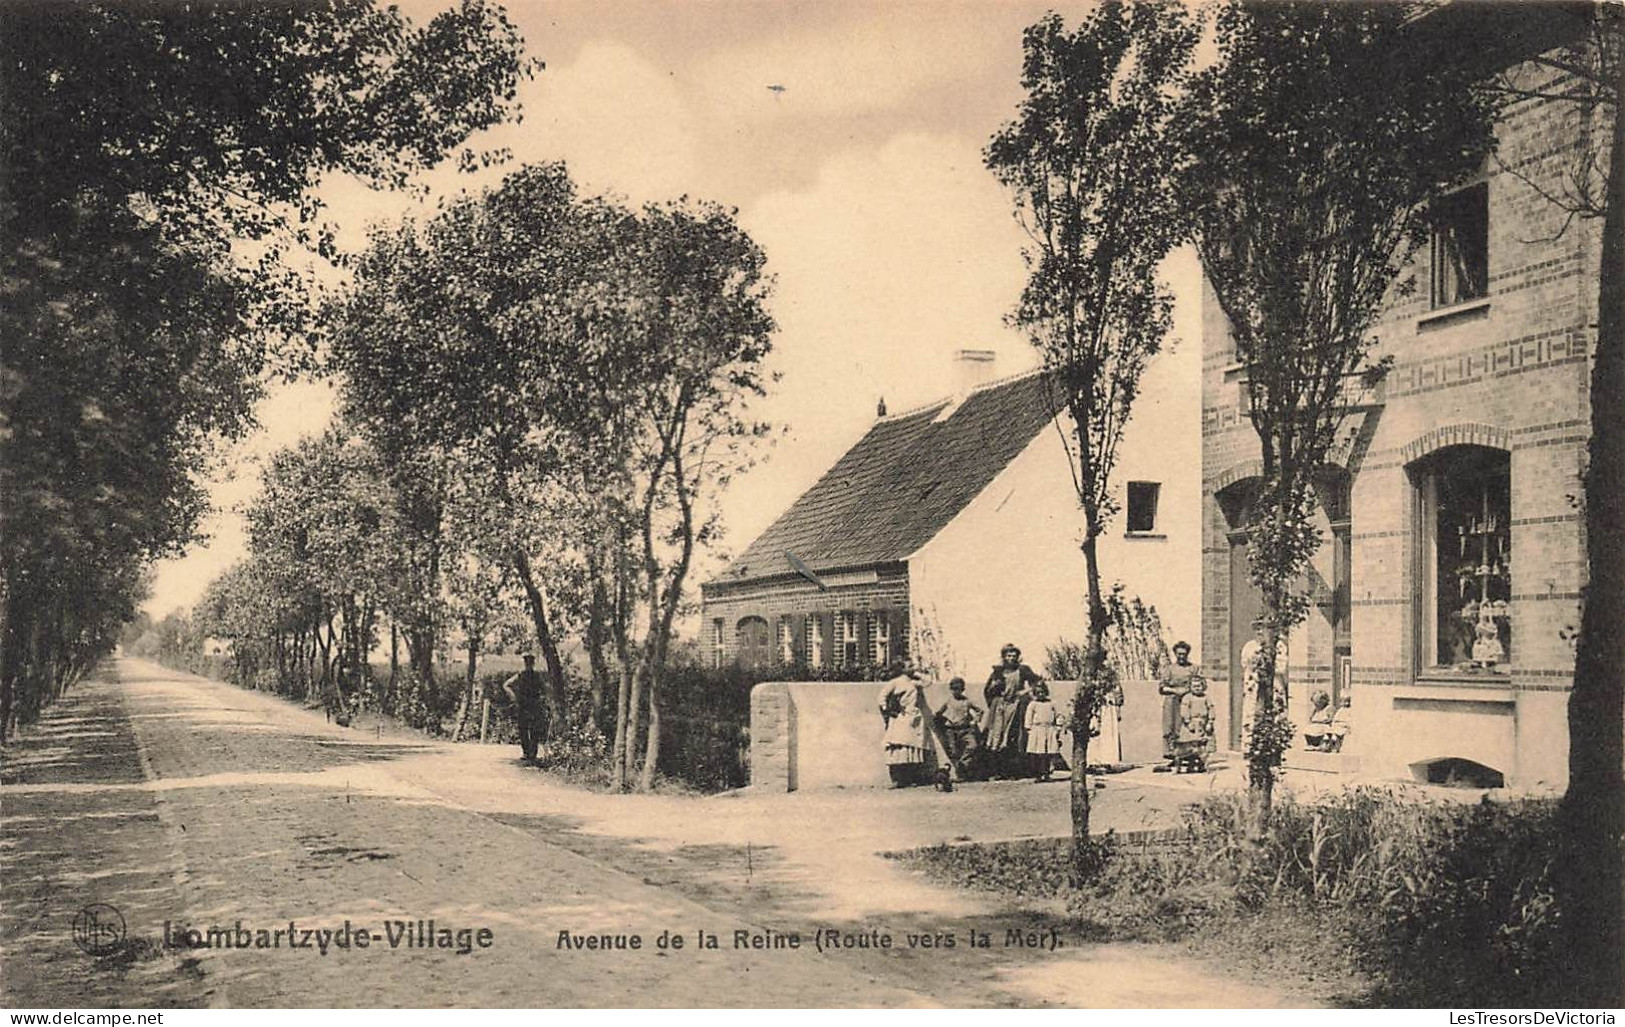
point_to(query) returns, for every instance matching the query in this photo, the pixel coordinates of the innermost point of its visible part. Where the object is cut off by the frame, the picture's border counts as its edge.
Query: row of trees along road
(144, 144)
(558, 386)
(1300, 163)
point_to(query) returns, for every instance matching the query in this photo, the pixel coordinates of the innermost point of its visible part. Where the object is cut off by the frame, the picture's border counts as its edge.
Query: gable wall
(1009, 567)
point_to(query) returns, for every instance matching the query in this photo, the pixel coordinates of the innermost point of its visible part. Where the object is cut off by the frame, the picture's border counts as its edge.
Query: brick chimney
(972, 367)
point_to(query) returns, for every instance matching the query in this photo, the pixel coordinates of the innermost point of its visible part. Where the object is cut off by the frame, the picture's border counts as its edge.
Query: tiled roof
(902, 483)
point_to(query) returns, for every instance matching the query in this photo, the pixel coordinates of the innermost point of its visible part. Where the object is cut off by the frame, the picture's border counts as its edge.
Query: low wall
(827, 734)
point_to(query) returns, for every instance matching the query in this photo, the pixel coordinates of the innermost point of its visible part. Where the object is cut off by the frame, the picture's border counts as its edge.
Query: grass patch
(1375, 895)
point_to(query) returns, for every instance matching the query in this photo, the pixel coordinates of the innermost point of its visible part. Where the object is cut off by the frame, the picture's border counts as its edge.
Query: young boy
(957, 718)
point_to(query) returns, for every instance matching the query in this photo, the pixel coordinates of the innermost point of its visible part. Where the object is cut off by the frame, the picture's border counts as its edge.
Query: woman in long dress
(902, 707)
(1106, 741)
(1007, 691)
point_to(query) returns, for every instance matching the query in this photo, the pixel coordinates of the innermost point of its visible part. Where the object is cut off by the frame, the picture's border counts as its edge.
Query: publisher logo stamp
(98, 929)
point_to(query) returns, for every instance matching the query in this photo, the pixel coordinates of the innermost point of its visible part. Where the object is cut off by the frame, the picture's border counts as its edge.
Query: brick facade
(1507, 373)
(873, 596)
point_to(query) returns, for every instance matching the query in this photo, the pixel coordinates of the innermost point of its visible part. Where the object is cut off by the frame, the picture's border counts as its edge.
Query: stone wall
(827, 734)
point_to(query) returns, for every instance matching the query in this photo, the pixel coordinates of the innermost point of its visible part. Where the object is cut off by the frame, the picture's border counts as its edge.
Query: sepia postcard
(820, 504)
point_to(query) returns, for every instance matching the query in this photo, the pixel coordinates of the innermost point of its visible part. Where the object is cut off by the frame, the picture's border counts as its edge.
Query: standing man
(524, 690)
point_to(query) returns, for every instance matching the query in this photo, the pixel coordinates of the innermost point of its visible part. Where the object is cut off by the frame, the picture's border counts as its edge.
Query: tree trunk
(1593, 808)
(651, 750)
(649, 663)
(394, 662)
(470, 691)
(666, 604)
(7, 691)
(1262, 756)
(326, 645)
(598, 613)
(1084, 703)
(625, 712)
(544, 636)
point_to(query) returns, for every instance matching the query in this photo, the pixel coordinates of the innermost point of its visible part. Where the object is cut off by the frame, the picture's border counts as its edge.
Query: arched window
(1464, 495)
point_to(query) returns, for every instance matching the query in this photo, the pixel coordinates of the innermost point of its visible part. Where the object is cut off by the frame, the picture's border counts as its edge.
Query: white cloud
(619, 122)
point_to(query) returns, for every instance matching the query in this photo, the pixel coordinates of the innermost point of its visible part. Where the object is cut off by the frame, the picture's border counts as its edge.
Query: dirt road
(188, 804)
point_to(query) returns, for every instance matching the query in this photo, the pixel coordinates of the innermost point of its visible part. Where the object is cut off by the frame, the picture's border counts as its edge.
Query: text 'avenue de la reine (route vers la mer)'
(823, 939)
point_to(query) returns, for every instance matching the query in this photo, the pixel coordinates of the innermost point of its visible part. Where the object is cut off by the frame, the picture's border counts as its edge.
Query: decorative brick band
(1561, 440)
(1554, 426)
(1466, 434)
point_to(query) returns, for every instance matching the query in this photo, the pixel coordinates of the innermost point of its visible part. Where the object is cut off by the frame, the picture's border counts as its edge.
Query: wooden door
(754, 643)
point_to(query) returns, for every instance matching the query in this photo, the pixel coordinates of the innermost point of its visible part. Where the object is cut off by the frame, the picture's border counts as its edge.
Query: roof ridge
(914, 411)
(903, 481)
(992, 383)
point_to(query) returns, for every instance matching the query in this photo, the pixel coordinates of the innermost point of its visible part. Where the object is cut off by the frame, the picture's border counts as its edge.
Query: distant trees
(580, 373)
(1090, 161)
(141, 144)
(1316, 141)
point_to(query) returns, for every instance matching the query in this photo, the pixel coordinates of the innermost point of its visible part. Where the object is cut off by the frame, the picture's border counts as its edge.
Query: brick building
(958, 522)
(1455, 553)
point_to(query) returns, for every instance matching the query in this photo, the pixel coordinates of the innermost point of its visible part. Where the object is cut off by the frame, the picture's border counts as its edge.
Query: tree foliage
(159, 160)
(1090, 160)
(1316, 142)
(581, 370)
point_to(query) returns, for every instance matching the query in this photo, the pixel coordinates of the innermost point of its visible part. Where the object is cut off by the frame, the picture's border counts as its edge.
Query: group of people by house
(1187, 714)
(1016, 731)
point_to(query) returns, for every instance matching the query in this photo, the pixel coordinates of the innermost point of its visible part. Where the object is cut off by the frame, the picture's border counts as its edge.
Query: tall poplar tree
(1090, 162)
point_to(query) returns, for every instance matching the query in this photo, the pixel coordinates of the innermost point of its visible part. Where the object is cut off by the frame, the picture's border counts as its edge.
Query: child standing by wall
(1195, 739)
(1043, 724)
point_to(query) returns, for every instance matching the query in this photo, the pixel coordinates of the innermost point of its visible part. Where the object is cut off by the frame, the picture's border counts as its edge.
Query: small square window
(1142, 506)
(1461, 246)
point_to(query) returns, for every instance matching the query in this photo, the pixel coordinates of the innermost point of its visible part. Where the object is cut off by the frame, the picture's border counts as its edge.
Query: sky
(860, 174)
